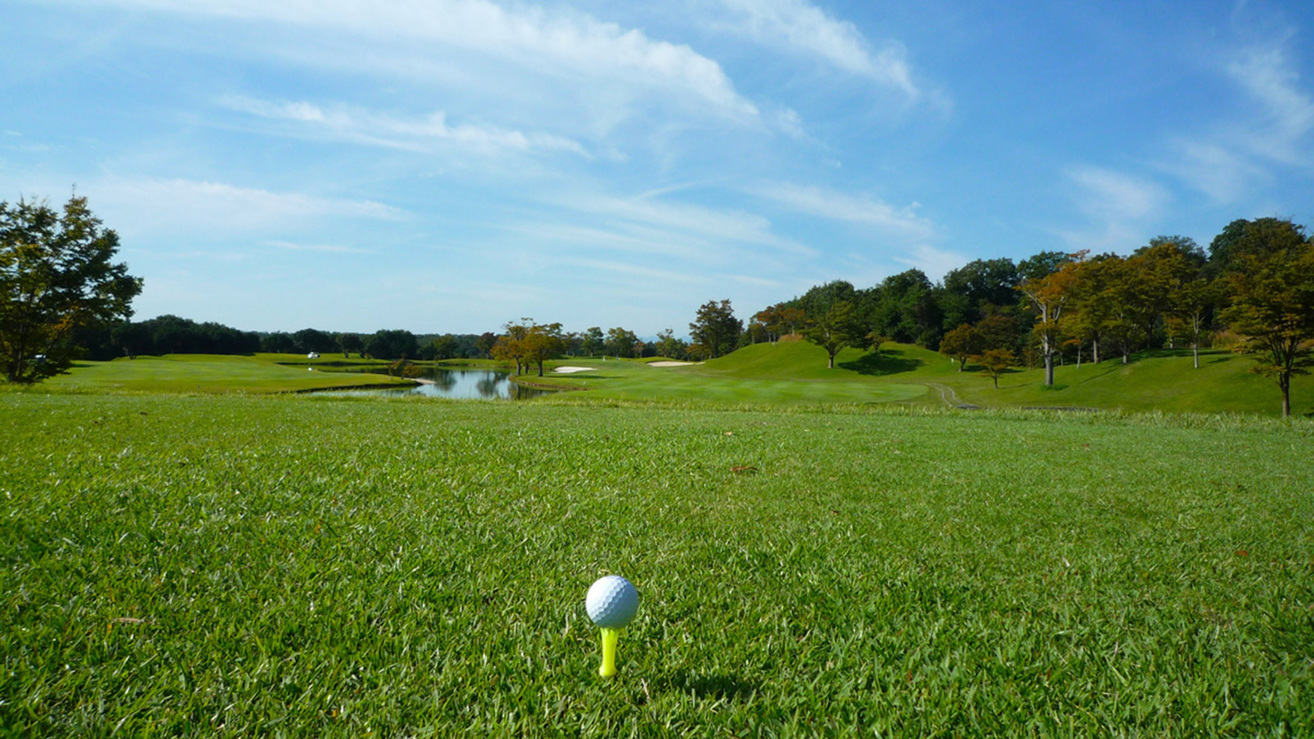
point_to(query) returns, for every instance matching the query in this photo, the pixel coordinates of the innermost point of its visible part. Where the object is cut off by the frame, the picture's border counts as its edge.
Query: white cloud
(686, 222)
(1113, 196)
(206, 208)
(321, 248)
(1280, 134)
(842, 207)
(416, 134)
(934, 263)
(1241, 154)
(799, 25)
(1118, 206)
(528, 36)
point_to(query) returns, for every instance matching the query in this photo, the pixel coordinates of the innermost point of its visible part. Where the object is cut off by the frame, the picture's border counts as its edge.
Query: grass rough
(326, 567)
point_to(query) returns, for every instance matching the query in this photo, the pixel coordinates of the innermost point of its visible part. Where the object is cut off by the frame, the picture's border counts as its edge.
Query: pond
(458, 384)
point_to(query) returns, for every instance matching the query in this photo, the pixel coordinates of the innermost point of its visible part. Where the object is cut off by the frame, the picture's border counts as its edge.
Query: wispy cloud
(415, 134)
(1281, 133)
(840, 206)
(206, 208)
(1118, 207)
(934, 263)
(702, 224)
(320, 248)
(1277, 131)
(524, 35)
(802, 26)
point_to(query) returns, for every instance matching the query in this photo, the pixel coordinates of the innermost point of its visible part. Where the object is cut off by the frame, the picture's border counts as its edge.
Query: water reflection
(459, 384)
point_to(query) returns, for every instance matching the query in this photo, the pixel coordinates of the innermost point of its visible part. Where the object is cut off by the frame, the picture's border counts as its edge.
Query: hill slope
(1156, 380)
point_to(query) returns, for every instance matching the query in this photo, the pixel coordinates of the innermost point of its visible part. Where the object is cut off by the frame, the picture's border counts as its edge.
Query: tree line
(1253, 289)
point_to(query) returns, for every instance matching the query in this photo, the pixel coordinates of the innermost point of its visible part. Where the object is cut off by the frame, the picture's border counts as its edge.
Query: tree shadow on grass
(882, 363)
(715, 685)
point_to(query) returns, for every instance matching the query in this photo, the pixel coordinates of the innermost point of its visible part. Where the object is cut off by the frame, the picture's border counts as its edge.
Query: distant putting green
(213, 374)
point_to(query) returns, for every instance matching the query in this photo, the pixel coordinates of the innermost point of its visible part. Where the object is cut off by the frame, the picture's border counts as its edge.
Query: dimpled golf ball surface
(612, 602)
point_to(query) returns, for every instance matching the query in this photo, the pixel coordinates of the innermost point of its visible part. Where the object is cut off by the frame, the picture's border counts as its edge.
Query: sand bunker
(571, 370)
(671, 364)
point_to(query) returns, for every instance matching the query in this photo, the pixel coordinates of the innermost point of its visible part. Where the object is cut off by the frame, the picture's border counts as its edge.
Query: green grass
(213, 374)
(796, 373)
(322, 567)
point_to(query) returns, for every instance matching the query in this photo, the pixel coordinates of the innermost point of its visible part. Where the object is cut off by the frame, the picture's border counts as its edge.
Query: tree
(620, 342)
(1049, 295)
(484, 344)
(835, 329)
(392, 344)
(56, 276)
(968, 289)
(669, 346)
(543, 342)
(906, 310)
(312, 340)
(961, 344)
(593, 341)
(1192, 304)
(716, 328)
(995, 362)
(349, 342)
(1271, 285)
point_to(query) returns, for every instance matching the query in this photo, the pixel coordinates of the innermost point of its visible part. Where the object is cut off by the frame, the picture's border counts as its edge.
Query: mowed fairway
(324, 567)
(212, 374)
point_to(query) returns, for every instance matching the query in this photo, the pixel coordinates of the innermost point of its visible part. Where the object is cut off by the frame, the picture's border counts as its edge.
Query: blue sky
(449, 165)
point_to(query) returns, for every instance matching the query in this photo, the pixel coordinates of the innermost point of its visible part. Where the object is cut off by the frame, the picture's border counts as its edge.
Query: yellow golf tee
(609, 639)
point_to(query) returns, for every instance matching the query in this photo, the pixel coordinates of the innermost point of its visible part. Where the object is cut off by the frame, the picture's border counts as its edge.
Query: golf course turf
(230, 565)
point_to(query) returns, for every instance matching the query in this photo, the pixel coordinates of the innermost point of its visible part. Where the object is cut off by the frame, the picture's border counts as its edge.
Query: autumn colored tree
(995, 362)
(1270, 282)
(510, 346)
(962, 344)
(1049, 295)
(541, 343)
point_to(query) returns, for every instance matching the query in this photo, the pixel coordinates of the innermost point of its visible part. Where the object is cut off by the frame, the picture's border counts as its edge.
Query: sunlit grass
(212, 374)
(325, 567)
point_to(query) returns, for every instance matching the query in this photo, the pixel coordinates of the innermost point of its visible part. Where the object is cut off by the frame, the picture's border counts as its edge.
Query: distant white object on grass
(312, 355)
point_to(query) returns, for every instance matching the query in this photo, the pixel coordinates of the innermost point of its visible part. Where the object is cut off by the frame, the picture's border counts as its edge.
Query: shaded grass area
(216, 374)
(311, 566)
(1162, 380)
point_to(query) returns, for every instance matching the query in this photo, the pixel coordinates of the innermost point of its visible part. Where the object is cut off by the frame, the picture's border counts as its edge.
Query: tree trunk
(832, 360)
(1284, 381)
(1095, 350)
(1049, 369)
(1078, 356)
(1195, 352)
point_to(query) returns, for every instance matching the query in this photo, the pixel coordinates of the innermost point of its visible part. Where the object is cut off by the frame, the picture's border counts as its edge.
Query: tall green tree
(836, 328)
(620, 342)
(1271, 286)
(57, 275)
(350, 342)
(716, 328)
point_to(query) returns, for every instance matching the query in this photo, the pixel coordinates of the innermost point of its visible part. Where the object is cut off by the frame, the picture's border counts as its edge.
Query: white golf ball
(612, 602)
